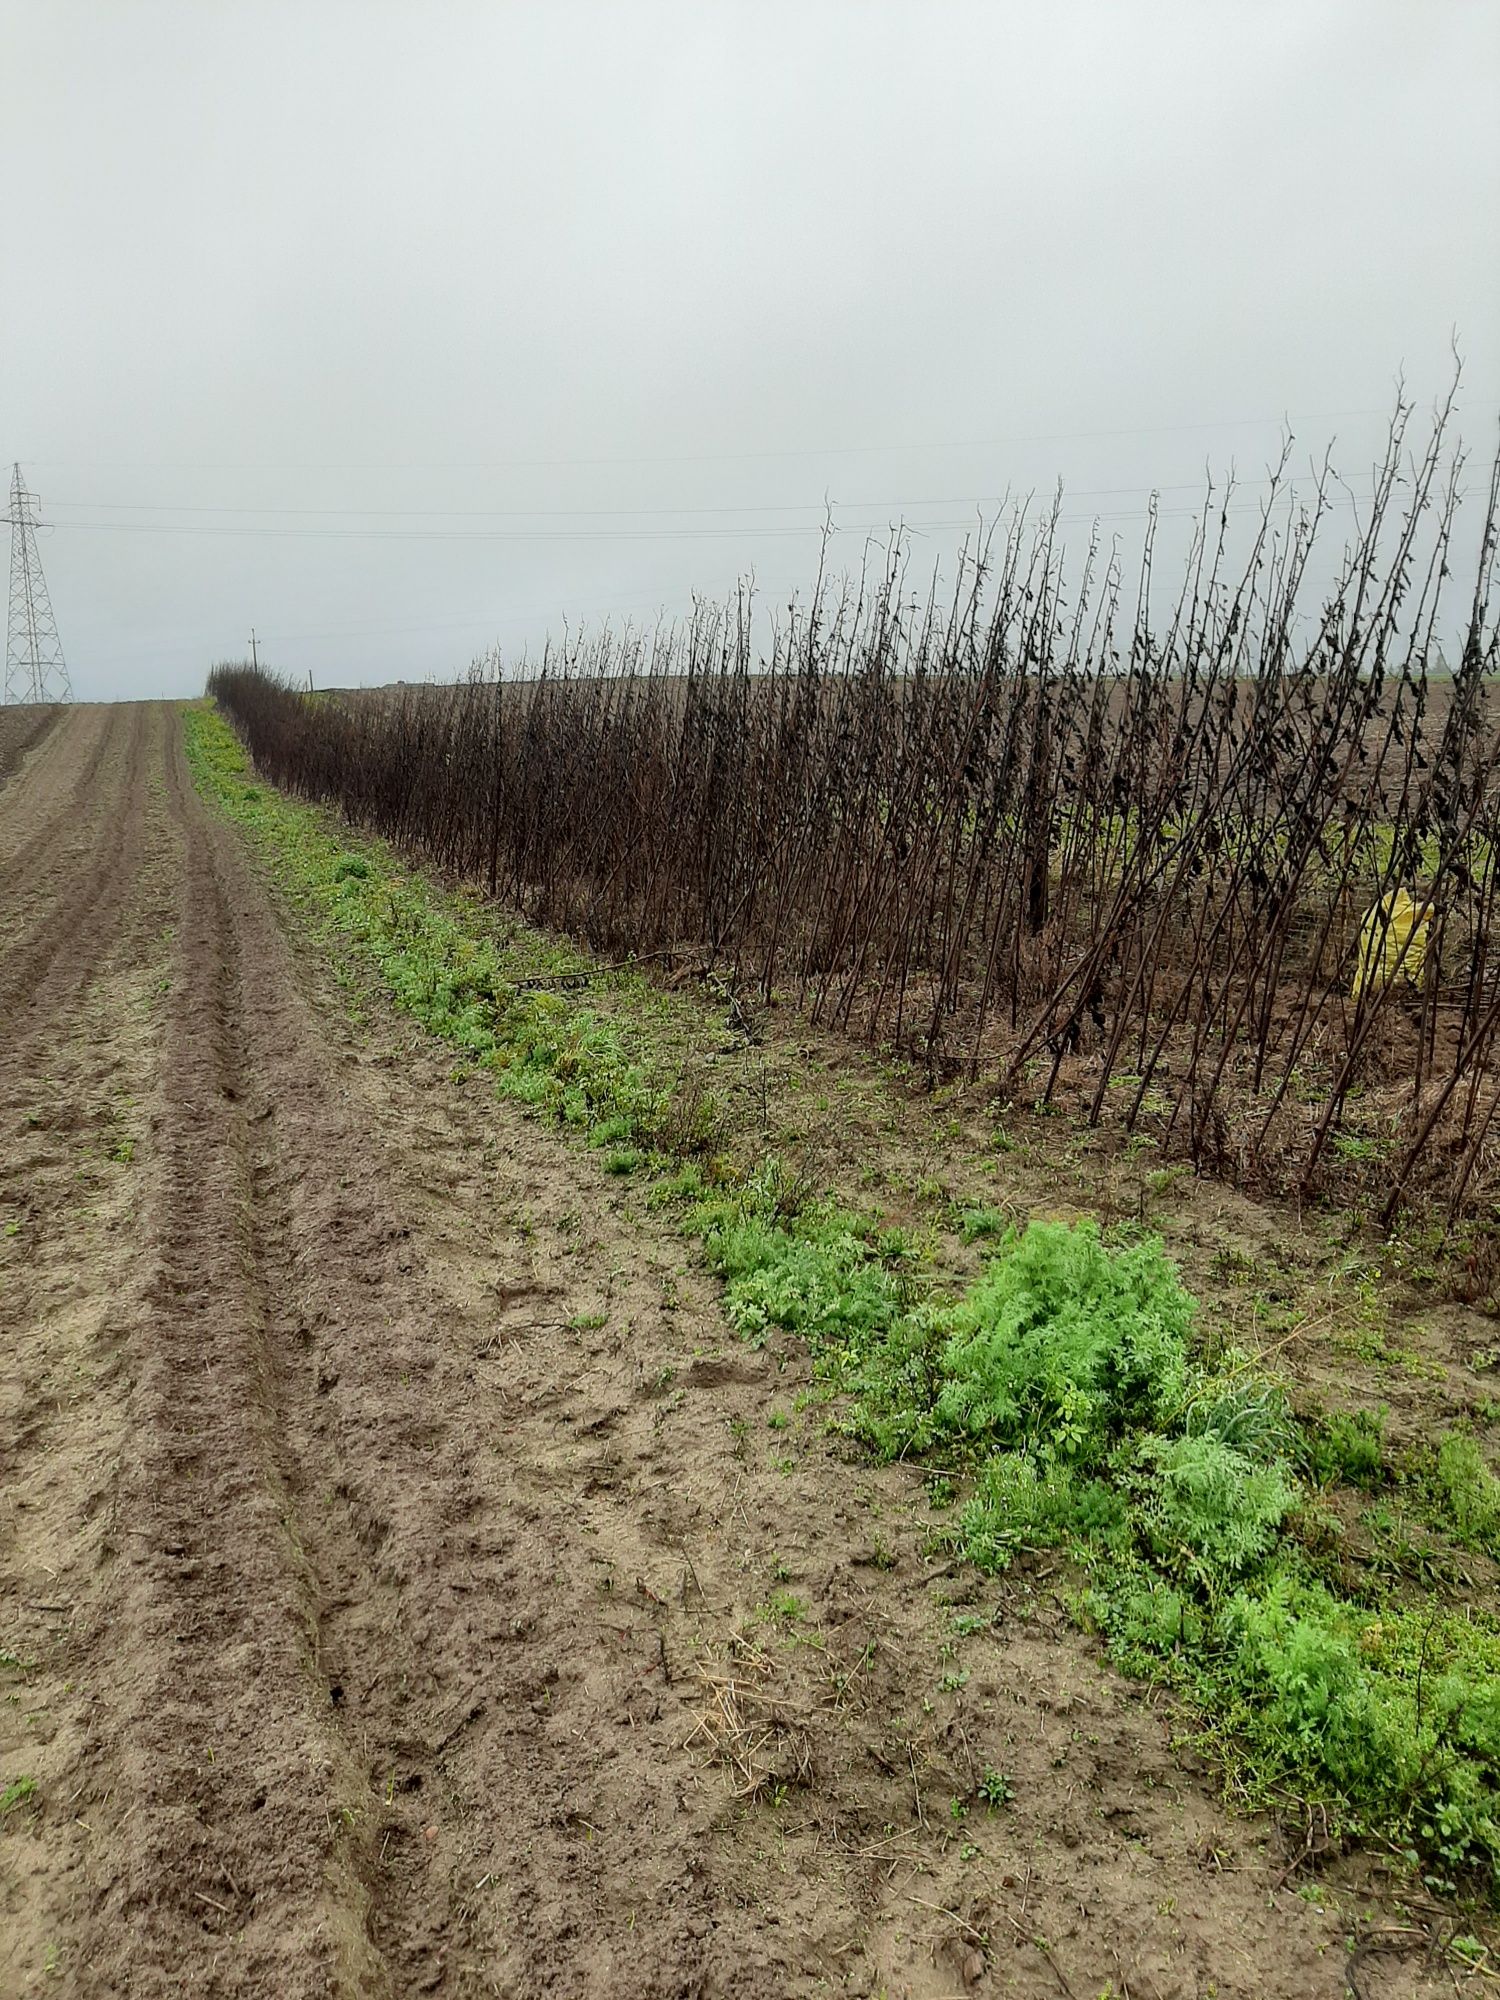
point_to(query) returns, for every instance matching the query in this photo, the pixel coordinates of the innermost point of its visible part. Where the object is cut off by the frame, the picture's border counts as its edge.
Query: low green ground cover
(1068, 1385)
(1069, 1392)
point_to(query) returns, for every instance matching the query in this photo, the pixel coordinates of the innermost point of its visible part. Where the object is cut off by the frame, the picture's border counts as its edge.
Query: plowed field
(396, 1586)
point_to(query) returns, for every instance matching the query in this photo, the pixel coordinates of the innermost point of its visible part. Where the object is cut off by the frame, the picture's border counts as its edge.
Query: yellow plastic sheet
(1392, 943)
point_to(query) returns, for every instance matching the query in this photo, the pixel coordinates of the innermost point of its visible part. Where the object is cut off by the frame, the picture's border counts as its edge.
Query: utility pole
(34, 666)
(254, 656)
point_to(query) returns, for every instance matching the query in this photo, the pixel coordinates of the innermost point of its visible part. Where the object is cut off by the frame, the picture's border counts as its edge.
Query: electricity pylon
(34, 666)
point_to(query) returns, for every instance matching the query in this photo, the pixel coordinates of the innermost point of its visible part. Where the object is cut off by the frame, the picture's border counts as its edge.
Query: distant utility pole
(254, 656)
(34, 666)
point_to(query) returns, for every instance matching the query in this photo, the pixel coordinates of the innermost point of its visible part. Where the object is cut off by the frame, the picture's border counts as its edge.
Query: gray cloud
(500, 314)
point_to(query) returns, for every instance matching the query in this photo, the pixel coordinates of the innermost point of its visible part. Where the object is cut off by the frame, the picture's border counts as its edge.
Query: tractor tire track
(52, 785)
(63, 894)
(231, 1864)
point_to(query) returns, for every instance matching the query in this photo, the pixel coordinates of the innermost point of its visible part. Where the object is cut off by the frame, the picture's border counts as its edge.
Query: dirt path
(402, 1589)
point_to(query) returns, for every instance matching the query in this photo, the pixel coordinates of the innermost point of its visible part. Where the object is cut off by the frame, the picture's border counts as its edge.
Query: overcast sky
(400, 327)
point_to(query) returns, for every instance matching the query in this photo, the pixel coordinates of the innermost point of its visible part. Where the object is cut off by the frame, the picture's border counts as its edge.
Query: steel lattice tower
(34, 666)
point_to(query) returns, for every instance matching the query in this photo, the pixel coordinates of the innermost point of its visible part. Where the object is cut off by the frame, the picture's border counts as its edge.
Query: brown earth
(402, 1588)
(21, 726)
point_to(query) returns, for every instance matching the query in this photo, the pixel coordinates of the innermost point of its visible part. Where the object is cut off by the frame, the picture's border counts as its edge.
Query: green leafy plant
(1063, 1344)
(974, 1223)
(1209, 1506)
(1470, 1492)
(786, 1606)
(995, 1789)
(1348, 1446)
(816, 1277)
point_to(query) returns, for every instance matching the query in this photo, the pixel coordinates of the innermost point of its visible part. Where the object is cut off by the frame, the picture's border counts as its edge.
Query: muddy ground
(404, 1587)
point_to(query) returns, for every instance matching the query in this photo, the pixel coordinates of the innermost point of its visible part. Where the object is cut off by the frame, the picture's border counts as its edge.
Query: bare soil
(402, 1589)
(21, 726)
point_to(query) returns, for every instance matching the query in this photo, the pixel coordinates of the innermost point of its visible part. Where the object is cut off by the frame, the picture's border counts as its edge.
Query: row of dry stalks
(1107, 859)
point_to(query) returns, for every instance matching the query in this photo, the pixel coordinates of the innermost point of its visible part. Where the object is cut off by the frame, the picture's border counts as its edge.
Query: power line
(716, 457)
(625, 513)
(897, 519)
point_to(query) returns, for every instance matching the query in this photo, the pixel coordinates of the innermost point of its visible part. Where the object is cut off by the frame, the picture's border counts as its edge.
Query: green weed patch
(1064, 1386)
